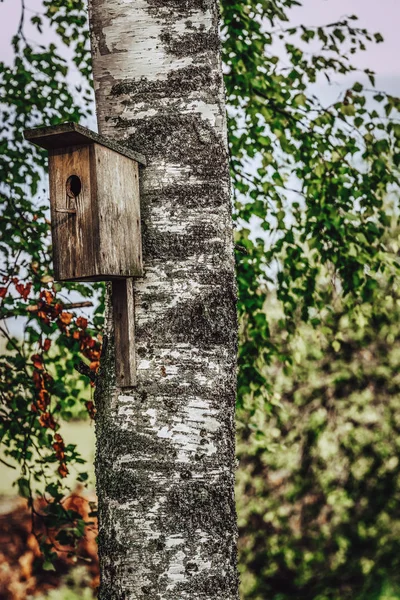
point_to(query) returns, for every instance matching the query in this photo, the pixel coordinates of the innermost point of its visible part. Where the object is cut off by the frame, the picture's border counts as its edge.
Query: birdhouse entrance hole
(74, 186)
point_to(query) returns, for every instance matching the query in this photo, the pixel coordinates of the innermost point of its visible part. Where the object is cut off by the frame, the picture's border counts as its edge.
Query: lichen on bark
(165, 449)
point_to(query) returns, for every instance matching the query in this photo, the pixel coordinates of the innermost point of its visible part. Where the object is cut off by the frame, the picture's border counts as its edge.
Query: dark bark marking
(179, 83)
(184, 6)
(201, 322)
(172, 135)
(209, 195)
(195, 241)
(191, 43)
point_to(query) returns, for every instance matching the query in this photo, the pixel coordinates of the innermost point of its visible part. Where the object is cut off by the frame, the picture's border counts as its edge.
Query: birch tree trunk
(165, 448)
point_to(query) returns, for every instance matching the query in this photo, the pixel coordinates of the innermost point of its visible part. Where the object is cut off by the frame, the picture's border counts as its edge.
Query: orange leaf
(47, 420)
(47, 296)
(59, 450)
(62, 469)
(91, 409)
(66, 318)
(57, 308)
(37, 361)
(46, 344)
(43, 399)
(82, 322)
(23, 290)
(38, 380)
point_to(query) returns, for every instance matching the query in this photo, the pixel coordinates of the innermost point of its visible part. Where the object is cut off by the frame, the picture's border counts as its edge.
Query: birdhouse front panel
(74, 213)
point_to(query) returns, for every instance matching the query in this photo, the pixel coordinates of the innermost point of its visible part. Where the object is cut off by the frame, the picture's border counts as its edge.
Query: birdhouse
(95, 204)
(95, 222)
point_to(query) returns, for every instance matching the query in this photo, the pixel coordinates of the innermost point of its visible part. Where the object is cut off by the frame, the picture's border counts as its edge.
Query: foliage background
(318, 495)
(318, 436)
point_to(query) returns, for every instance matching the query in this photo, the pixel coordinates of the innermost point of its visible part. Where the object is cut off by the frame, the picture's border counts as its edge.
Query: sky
(376, 15)
(381, 16)
(10, 14)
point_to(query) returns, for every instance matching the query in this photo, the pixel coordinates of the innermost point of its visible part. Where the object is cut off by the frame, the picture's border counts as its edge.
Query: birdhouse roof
(73, 134)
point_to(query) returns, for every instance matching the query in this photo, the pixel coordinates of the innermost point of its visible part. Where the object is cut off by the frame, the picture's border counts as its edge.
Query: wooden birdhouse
(95, 221)
(95, 205)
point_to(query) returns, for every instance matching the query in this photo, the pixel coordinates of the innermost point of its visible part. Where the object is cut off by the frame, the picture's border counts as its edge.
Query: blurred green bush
(318, 486)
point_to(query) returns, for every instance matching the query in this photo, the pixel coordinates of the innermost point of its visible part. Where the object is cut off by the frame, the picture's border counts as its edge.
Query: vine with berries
(50, 333)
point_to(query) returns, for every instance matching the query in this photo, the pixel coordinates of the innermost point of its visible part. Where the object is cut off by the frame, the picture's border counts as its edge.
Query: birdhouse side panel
(117, 180)
(74, 217)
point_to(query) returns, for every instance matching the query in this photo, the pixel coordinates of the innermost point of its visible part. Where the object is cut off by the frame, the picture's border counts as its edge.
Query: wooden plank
(74, 215)
(120, 244)
(73, 134)
(124, 332)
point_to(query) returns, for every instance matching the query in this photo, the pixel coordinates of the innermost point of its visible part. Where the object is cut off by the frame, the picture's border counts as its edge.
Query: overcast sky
(376, 15)
(381, 16)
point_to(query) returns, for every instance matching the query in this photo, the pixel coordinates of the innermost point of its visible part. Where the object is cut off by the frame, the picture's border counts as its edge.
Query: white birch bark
(165, 449)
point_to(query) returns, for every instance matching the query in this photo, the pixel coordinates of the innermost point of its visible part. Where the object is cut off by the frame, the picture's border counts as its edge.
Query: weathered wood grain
(124, 332)
(75, 235)
(73, 134)
(96, 235)
(119, 238)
